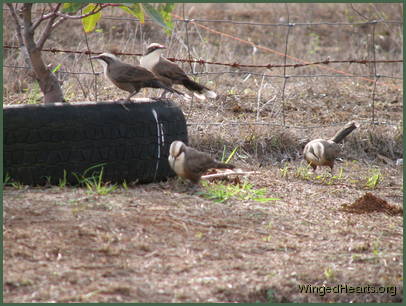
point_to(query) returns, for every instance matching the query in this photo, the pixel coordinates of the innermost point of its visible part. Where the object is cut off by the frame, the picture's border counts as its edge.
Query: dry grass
(159, 243)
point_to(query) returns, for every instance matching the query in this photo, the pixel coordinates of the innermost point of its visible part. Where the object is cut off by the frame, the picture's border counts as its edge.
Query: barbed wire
(234, 65)
(234, 72)
(373, 77)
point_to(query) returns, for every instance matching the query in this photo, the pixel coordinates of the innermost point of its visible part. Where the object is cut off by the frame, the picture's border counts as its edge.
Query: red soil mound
(370, 203)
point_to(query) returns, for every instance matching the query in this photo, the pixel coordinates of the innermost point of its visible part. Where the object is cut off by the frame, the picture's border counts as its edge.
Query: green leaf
(72, 7)
(166, 12)
(155, 15)
(231, 155)
(56, 68)
(90, 22)
(135, 10)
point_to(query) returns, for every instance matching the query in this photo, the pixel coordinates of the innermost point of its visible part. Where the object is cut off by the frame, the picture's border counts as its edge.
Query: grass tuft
(222, 193)
(94, 182)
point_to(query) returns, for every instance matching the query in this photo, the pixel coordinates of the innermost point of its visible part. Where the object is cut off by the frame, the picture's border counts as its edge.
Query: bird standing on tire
(128, 77)
(170, 73)
(321, 152)
(190, 164)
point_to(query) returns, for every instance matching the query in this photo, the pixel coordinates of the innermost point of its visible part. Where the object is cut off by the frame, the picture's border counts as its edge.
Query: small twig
(358, 13)
(284, 65)
(259, 97)
(91, 65)
(189, 55)
(187, 36)
(267, 102)
(373, 99)
(81, 86)
(41, 19)
(97, 9)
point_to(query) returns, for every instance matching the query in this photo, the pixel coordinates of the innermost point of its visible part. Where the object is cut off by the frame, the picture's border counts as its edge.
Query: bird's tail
(198, 90)
(224, 166)
(160, 84)
(344, 132)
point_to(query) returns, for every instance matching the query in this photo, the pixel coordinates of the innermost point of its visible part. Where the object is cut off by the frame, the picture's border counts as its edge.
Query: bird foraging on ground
(130, 78)
(170, 73)
(321, 152)
(190, 164)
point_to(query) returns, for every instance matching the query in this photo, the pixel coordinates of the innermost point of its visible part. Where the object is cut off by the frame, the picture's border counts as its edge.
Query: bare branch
(39, 20)
(26, 13)
(358, 13)
(17, 23)
(48, 28)
(58, 22)
(97, 9)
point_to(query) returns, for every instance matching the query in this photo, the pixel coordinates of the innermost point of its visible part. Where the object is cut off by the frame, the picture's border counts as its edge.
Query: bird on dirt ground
(321, 152)
(128, 77)
(170, 73)
(190, 164)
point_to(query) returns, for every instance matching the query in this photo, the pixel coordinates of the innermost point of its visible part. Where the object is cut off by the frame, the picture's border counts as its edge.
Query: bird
(322, 152)
(190, 164)
(130, 78)
(170, 73)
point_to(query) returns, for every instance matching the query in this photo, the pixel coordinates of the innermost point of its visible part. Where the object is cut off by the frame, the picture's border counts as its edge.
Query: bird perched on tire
(190, 164)
(170, 73)
(128, 77)
(321, 152)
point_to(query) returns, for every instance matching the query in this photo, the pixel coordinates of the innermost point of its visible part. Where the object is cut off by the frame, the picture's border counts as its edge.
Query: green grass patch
(222, 193)
(304, 173)
(94, 181)
(373, 179)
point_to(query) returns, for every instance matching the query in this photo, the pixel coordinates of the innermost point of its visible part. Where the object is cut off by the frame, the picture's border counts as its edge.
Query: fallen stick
(226, 173)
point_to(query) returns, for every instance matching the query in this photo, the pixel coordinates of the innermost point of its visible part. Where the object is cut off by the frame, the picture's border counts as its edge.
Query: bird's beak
(162, 47)
(95, 57)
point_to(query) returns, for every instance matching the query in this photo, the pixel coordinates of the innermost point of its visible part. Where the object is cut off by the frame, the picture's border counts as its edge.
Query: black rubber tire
(41, 141)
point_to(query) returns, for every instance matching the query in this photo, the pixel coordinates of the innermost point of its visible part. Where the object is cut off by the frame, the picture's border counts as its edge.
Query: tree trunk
(48, 82)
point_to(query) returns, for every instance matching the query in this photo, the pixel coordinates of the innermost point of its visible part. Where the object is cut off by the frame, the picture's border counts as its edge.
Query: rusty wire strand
(234, 65)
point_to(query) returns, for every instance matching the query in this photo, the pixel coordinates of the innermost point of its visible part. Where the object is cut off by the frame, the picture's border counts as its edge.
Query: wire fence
(374, 77)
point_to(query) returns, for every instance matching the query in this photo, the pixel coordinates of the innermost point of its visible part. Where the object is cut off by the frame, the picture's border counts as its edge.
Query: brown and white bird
(170, 73)
(321, 152)
(129, 77)
(190, 164)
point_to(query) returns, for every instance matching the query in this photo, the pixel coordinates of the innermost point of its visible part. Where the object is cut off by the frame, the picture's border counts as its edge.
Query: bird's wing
(167, 69)
(199, 162)
(129, 73)
(332, 150)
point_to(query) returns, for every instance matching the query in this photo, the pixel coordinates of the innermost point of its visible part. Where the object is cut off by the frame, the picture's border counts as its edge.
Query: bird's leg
(132, 94)
(314, 167)
(163, 95)
(122, 101)
(331, 167)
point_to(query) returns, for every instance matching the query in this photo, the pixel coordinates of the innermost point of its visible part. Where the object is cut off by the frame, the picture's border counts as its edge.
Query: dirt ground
(162, 242)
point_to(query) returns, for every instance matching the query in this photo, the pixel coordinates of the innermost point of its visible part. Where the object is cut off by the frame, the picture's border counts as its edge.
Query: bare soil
(164, 242)
(159, 243)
